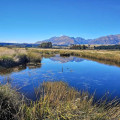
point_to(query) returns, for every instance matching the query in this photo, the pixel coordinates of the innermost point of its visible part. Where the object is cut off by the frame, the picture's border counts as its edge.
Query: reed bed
(57, 101)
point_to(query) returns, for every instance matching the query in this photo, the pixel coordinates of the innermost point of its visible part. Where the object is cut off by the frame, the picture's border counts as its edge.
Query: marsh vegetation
(57, 101)
(16, 56)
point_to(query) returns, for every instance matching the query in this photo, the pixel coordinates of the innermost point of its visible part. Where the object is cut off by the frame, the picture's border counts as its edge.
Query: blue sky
(33, 20)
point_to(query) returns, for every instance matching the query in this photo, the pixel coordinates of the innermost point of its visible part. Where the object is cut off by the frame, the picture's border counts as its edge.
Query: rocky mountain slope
(66, 40)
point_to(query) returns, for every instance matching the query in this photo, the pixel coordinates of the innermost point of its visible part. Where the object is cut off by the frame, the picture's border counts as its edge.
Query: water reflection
(78, 59)
(83, 74)
(7, 71)
(66, 59)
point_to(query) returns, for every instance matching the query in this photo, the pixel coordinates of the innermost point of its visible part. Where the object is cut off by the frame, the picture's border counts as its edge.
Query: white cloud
(11, 41)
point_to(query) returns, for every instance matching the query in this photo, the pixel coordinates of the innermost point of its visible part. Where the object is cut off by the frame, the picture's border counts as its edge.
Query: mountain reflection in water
(80, 73)
(66, 59)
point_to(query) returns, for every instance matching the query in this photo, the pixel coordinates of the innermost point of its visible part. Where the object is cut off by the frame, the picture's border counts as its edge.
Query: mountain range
(66, 40)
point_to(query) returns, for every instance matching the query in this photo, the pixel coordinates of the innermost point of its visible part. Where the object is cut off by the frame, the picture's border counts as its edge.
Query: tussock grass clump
(18, 56)
(34, 56)
(12, 57)
(60, 102)
(10, 103)
(11, 61)
(6, 61)
(21, 58)
(6, 58)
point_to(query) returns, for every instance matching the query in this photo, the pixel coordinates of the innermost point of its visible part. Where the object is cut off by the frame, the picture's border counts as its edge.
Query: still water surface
(79, 73)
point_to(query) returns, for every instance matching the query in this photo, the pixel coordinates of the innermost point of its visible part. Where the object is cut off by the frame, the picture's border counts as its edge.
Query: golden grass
(57, 101)
(60, 102)
(105, 55)
(11, 52)
(34, 56)
(10, 103)
(17, 56)
(35, 53)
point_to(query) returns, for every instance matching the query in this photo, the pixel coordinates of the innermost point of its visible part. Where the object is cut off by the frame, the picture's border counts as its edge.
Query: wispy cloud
(9, 41)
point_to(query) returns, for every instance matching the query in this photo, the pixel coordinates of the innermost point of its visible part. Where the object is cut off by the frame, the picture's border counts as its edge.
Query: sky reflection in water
(80, 73)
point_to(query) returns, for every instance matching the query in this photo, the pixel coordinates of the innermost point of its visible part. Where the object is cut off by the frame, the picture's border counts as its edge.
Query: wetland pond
(80, 73)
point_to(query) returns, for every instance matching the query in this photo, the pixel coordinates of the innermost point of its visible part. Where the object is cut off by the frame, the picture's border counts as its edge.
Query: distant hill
(110, 39)
(66, 40)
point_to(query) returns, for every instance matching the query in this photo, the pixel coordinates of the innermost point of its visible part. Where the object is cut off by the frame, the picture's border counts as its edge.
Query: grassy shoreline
(17, 56)
(103, 56)
(57, 101)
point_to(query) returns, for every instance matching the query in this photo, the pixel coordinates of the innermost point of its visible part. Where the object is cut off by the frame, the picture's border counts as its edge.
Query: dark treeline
(49, 45)
(83, 47)
(45, 45)
(102, 47)
(107, 47)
